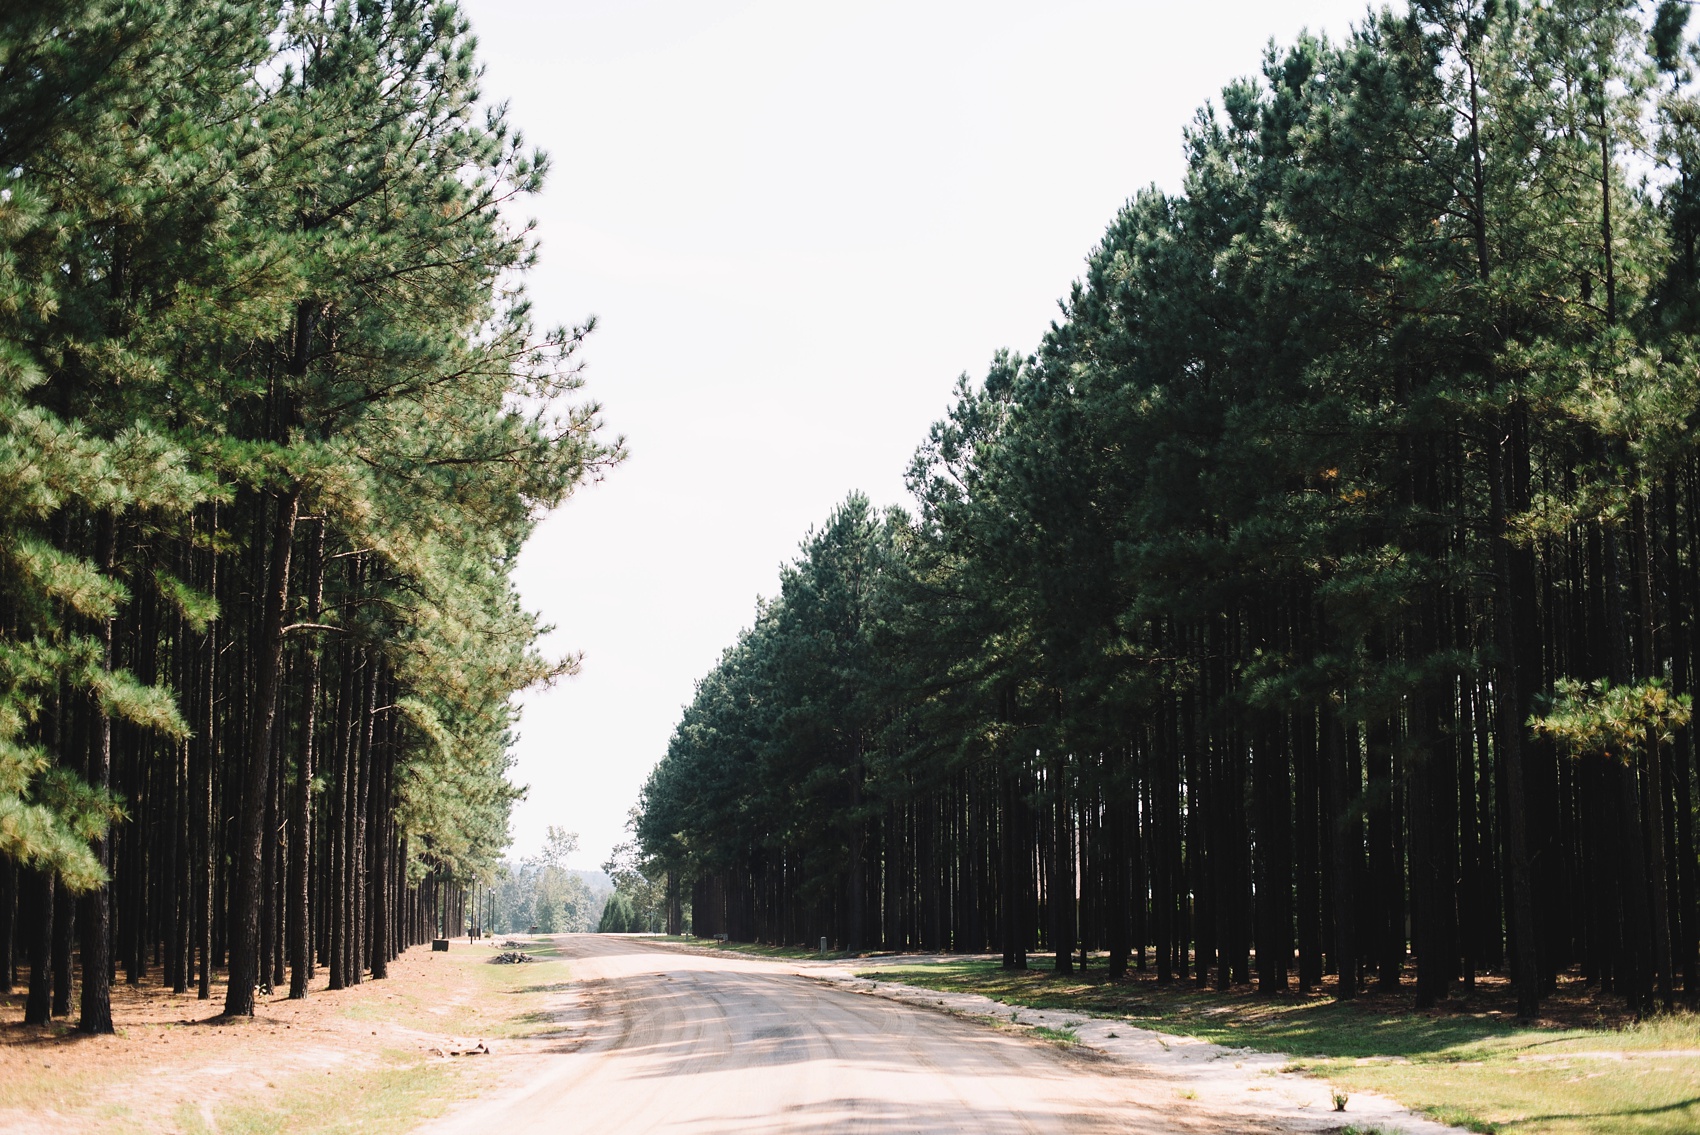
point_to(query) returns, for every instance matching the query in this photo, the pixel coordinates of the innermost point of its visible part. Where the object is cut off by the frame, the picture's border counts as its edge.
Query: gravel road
(658, 1039)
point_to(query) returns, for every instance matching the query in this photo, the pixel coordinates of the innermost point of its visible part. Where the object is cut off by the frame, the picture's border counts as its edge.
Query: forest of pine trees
(275, 420)
(1317, 607)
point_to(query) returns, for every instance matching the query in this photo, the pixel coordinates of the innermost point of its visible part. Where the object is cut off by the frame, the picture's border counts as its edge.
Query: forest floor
(1582, 1070)
(358, 1059)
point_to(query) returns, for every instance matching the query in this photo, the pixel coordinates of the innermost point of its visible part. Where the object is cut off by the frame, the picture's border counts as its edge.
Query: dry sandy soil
(623, 1036)
(704, 1043)
(355, 1059)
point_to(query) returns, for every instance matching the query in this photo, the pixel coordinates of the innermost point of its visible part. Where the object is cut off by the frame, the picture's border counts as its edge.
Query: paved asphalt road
(659, 1039)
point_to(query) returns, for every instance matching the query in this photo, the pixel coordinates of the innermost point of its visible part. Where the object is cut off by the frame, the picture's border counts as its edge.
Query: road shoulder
(1226, 1081)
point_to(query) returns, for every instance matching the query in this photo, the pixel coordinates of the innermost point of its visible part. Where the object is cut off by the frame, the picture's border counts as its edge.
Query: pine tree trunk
(380, 855)
(1121, 835)
(8, 924)
(1060, 886)
(336, 842)
(359, 946)
(64, 943)
(1509, 705)
(1346, 849)
(268, 883)
(301, 816)
(855, 866)
(171, 897)
(1653, 775)
(245, 903)
(38, 927)
(1308, 886)
(1006, 870)
(96, 1015)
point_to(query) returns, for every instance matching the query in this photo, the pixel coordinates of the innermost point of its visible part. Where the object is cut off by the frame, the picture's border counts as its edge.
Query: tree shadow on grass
(1314, 1026)
(1623, 1113)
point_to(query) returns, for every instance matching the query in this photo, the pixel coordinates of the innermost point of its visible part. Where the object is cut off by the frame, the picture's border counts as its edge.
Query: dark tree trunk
(96, 1015)
(301, 816)
(1510, 704)
(1060, 886)
(39, 926)
(1346, 846)
(245, 903)
(380, 802)
(8, 924)
(64, 945)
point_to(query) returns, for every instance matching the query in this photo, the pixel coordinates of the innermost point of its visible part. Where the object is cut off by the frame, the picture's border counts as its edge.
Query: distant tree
(618, 916)
(558, 846)
(639, 901)
(544, 892)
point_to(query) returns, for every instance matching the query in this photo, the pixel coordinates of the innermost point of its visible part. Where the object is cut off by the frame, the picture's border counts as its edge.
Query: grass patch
(1468, 1065)
(1064, 1037)
(511, 999)
(49, 1079)
(349, 1060)
(405, 1087)
(394, 1097)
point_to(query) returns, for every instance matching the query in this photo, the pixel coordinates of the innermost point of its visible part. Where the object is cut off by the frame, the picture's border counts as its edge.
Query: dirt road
(663, 1040)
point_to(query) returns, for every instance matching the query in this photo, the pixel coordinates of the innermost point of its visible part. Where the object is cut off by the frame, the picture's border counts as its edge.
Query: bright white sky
(797, 223)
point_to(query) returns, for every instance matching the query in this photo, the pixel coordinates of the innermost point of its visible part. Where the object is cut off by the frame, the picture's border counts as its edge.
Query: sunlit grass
(1063, 1037)
(48, 1079)
(408, 1086)
(394, 1097)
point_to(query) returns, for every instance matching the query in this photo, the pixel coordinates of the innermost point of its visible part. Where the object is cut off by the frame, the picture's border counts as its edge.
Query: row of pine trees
(1317, 606)
(275, 420)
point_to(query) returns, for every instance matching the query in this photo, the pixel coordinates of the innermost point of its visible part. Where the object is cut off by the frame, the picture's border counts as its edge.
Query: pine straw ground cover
(1582, 1070)
(357, 1059)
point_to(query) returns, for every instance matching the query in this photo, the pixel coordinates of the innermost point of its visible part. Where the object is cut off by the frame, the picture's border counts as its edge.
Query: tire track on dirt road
(697, 1044)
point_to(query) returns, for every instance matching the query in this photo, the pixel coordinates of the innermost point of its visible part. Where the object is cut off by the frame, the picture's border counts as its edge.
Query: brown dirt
(699, 1042)
(175, 1061)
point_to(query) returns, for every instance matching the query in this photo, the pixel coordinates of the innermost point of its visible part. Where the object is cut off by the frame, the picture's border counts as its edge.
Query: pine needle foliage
(275, 421)
(1242, 629)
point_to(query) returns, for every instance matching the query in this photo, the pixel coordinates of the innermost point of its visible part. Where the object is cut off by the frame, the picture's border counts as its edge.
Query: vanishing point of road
(661, 1039)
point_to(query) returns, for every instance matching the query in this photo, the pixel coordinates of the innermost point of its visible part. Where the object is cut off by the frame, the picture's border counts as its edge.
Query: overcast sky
(797, 223)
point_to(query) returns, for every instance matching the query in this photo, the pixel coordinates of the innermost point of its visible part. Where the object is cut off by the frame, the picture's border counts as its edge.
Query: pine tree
(1269, 614)
(276, 423)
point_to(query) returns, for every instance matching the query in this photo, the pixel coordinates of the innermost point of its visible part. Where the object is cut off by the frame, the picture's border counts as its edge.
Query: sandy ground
(174, 1062)
(654, 1037)
(647, 1036)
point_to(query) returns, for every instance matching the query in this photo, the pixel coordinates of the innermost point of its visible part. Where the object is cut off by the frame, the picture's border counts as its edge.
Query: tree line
(645, 898)
(1315, 607)
(275, 419)
(542, 894)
